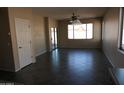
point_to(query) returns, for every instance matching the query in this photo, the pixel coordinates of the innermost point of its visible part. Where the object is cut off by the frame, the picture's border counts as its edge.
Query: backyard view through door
(53, 38)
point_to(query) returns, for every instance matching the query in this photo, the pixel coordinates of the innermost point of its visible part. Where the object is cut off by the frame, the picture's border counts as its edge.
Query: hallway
(65, 67)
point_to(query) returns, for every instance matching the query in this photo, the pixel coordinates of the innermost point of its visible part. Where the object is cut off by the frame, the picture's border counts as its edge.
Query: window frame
(86, 32)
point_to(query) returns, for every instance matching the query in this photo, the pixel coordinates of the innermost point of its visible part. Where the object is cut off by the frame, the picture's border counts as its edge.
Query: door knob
(20, 47)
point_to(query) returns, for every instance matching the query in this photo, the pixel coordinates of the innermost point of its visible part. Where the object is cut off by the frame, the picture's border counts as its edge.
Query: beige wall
(52, 23)
(64, 42)
(111, 36)
(39, 34)
(24, 13)
(38, 31)
(49, 23)
(6, 55)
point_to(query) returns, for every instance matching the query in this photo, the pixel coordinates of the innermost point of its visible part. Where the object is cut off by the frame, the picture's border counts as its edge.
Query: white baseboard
(40, 53)
(17, 69)
(109, 59)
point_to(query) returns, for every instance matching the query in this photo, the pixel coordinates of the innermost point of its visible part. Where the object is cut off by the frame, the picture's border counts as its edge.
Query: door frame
(51, 47)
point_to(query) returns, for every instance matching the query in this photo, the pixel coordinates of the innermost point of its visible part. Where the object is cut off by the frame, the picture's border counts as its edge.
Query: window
(83, 31)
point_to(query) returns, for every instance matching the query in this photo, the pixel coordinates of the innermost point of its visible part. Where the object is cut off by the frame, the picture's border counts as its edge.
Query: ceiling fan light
(76, 22)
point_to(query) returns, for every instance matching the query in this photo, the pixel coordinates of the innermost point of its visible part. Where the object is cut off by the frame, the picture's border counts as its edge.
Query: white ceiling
(66, 12)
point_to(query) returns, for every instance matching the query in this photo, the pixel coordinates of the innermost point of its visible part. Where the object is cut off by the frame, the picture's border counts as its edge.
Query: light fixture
(75, 20)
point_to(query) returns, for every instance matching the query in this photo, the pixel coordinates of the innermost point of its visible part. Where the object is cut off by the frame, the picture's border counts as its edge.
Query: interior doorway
(23, 34)
(53, 38)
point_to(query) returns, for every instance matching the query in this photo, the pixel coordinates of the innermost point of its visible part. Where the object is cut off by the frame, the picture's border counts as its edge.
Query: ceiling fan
(74, 20)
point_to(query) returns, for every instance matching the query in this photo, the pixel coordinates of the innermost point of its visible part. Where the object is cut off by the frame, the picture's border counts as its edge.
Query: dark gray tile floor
(65, 67)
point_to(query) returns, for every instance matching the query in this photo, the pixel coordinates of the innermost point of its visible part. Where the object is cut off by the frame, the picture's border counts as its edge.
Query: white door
(23, 33)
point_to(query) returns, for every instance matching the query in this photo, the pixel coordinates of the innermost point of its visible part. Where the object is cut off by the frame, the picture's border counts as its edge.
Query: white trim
(109, 60)
(42, 52)
(119, 27)
(17, 69)
(113, 76)
(121, 51)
